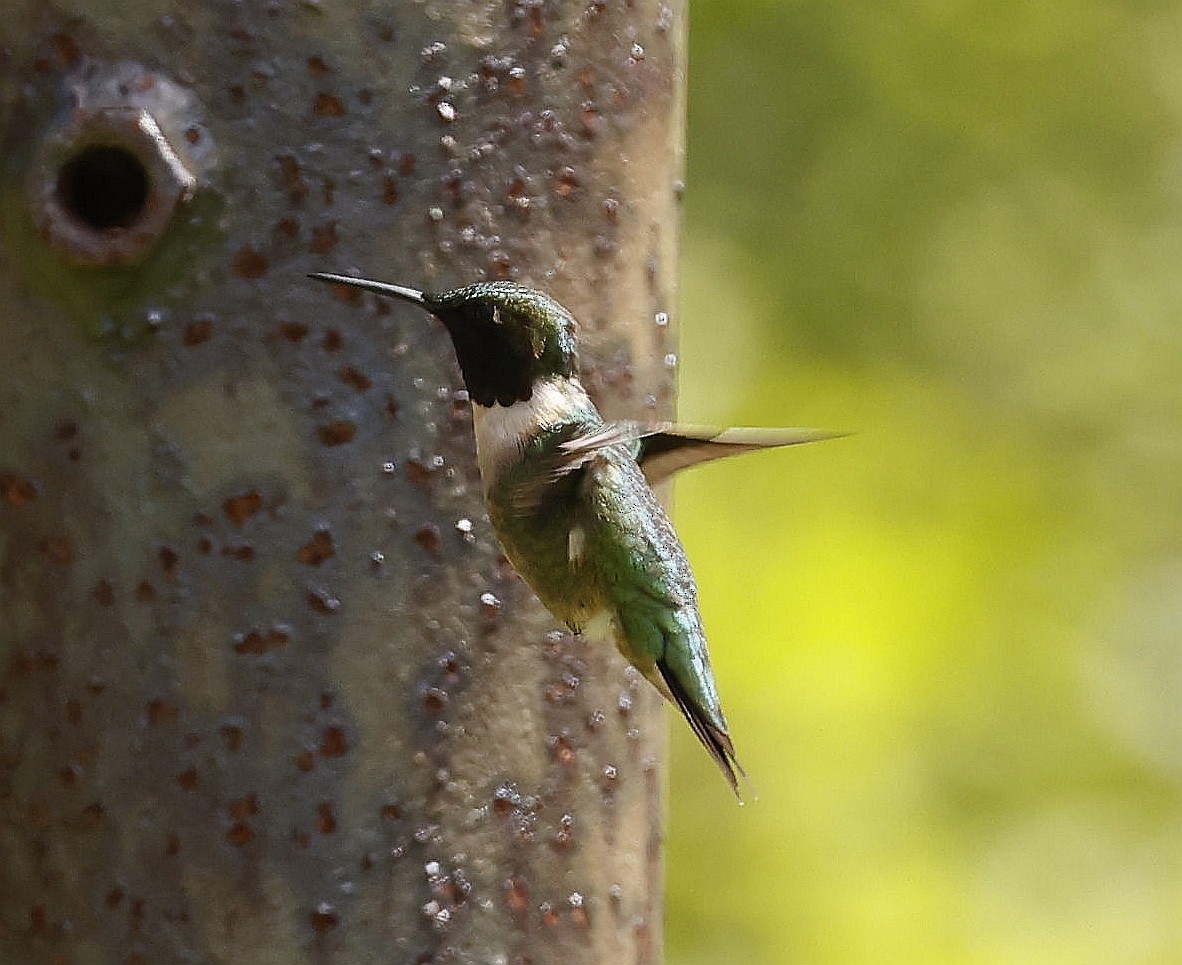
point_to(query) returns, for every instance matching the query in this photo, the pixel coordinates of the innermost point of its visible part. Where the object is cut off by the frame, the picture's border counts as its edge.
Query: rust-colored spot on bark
(392, 406)
(564, 752)
(389, 189)
(317, 66)
(231, 737)
(333, 341)
(91, 817)
(354, 378)
(337, 432)
(328, 105)
(239, 550)
(114, 897)
(590, 119)
(305, 761)
(59, 550)
(160, 711)
(38, 920)
(169, 561)
(326, 820)
(516, 897)
(324, 237)
(197, 332)
(66, 52)
(16, 490)
(239, 508)
(103, 593)
(249, 263)
(187, 779)
(292, 178)
(243, 807)
(287, 228)
(392, 812)
(240, 834)
(567, 182)
(293, 331)
(60, 53)
(435, 700)
(318, 549)
(449, 667)
(419, 472)
(500, 265)
(427, 536)
(145, 591)
(263, 641)
(323, 919)
(172, 845)
(332, 742)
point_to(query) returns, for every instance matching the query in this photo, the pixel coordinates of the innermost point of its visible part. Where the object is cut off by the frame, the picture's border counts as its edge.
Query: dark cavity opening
(104, 187)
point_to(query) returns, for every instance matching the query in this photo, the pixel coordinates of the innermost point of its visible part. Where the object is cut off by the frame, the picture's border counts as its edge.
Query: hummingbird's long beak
(377, 287)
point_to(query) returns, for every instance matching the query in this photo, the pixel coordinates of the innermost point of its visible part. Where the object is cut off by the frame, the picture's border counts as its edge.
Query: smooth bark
(268, 692)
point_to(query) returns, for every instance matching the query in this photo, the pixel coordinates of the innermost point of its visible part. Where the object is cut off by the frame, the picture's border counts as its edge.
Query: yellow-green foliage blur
(950, 645)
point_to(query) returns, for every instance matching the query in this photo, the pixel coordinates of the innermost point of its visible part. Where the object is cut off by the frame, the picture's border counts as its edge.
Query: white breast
(503, 431)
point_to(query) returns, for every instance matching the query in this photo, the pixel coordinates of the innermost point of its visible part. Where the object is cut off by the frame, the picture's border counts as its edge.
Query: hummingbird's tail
(713, 737)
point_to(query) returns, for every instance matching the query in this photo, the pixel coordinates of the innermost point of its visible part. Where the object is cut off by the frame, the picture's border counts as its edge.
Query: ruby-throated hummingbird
(569, 495)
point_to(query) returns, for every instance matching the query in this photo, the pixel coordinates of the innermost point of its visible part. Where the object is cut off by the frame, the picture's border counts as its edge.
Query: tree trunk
(268, 691)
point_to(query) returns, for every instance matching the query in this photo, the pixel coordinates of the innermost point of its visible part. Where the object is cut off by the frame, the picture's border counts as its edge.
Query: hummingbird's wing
(666, 447)
(559, 461)
(660, 448)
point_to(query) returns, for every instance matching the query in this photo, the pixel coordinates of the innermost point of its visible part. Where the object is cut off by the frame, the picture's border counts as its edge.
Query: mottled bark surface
(267, 691)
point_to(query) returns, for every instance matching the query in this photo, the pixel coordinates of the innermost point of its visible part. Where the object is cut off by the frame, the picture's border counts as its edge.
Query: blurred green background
(949, 645)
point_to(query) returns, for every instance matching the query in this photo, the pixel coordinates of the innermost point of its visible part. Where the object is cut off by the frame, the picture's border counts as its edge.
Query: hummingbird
(570, 496)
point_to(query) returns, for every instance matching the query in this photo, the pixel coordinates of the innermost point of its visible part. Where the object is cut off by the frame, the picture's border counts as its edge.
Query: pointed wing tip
(667, 448)
(774, 438)
(823, 435)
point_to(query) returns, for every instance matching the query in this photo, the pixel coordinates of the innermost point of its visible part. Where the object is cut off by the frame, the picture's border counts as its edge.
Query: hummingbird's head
(507, 337)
